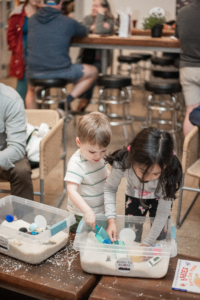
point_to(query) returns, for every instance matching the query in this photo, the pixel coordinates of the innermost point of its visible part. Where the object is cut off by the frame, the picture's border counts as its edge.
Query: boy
(87, 171)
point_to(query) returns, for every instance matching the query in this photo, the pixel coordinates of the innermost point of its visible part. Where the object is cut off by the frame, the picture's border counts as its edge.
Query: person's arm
(162, 214)
(176, 30)
(15, 129)
(79, 29)
(12, 34)
(88, 22)
(110, 190)
(103, 26)
(75, 197)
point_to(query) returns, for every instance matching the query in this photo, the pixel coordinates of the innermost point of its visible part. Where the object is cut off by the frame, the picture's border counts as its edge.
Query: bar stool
(163, 98)
(171, 73)
(143, 67)
(132, 67)
(162, 61)
(166, 72)
(43, 92)
(121, 101)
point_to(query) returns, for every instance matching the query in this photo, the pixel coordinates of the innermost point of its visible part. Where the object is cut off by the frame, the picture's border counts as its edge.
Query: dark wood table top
(134, 40)
(165, 32)
(59, 277)
(124, 288)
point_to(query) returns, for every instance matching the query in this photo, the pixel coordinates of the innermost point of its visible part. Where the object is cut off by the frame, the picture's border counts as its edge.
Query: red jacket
(15, 42)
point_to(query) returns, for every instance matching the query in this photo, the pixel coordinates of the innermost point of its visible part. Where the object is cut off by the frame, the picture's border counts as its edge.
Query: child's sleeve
(75, 173)
(162, 214)
(110, 190)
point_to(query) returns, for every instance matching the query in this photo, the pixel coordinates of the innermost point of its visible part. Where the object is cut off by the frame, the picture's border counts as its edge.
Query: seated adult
(14, 165)
(100, 21)
(194, 116)
(187, 25)
(49, 37)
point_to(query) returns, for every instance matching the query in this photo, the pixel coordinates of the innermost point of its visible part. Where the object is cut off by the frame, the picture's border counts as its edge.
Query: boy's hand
(90, 218)
(112, 230)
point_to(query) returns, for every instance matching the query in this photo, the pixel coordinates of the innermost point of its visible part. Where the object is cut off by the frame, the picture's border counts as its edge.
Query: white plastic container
(32, 249)
(130, 259)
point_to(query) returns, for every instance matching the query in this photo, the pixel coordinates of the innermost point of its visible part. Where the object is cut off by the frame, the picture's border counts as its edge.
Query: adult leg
(30, 97)
(22, 87)
(190, 78)
(90, 74)
(87, 96)
(187, 125)
(20, 179)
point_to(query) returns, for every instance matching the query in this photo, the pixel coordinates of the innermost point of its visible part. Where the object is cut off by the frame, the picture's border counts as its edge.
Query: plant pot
(156, 31)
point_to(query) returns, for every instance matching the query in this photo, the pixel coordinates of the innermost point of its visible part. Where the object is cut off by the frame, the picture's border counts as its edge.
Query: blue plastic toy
(101, 235)
(9, 218)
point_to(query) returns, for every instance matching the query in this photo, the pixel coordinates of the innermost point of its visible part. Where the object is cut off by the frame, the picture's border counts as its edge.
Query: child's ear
(78, 142)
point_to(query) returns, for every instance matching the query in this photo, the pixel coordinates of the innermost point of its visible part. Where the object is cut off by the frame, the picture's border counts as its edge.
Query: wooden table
(123, 288)
(165, 32)
(59, 277)
(135, 42)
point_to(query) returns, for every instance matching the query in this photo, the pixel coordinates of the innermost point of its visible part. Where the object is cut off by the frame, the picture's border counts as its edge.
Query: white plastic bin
(32, 249)
(130, 259)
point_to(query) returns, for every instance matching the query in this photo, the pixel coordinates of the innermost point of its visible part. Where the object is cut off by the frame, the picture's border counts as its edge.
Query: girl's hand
(145, 258)
(112, 230)
(92, 28)
(108, 173)
(90, 218)
(106, 25)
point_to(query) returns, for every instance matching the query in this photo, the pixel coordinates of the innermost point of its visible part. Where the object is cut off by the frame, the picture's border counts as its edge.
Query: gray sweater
(12, 127)
(187, 30)
(133, 185)
(99, 21)
(49, 36)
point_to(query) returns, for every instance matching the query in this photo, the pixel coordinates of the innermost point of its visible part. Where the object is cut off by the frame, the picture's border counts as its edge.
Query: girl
(101, 21)
(153, 174)
(17, 41)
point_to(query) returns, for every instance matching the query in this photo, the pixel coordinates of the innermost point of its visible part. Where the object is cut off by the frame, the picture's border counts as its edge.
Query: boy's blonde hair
(94, 128)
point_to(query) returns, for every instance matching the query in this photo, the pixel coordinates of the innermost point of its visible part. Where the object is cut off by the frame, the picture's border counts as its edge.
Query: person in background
(68, 8)
(86, 170)
(17, 41)
(187, 30)
(49, 37)
(101, 21)
(153, 173)
(14, 165)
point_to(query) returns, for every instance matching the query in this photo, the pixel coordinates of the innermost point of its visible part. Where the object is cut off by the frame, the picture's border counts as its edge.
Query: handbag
(34, 136)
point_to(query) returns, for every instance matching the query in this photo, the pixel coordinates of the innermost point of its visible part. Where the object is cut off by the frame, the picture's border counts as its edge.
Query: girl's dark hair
(152, 146)
(108, 13)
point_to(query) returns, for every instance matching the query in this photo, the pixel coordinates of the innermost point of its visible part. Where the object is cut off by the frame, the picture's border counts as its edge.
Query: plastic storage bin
(130, 259)
(30, 248)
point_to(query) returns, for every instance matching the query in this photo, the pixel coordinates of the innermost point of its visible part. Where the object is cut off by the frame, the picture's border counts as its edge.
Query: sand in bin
(103, 263)
(29, 252)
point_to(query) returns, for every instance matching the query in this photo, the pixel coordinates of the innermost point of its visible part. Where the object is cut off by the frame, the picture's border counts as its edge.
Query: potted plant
(155, 23)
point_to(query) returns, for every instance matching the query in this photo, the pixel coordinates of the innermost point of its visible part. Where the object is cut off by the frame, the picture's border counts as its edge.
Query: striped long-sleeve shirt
(90, 176)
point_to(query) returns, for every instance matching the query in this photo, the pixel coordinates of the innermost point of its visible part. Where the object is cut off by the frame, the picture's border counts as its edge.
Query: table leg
(104, 61)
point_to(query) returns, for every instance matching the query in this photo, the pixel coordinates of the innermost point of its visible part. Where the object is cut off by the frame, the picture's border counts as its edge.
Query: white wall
(140, 8)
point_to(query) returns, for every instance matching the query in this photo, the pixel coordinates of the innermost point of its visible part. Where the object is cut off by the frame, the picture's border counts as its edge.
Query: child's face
(91, 152)
(153, 173)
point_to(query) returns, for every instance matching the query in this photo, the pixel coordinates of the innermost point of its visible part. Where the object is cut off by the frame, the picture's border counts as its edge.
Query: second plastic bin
(30, 248)
(130, 259)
